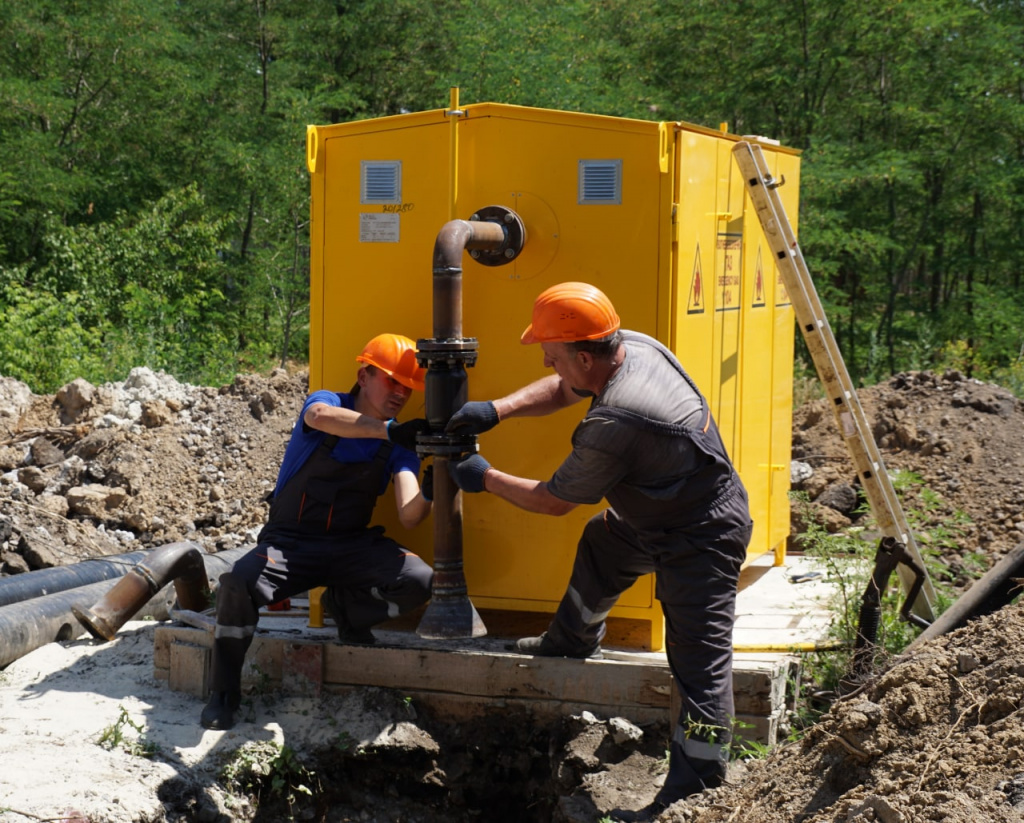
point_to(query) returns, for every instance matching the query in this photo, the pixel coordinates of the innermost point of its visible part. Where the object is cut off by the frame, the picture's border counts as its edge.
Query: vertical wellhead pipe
(494, 234)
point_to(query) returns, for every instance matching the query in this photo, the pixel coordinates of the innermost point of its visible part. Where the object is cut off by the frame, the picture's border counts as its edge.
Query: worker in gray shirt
(650, 447)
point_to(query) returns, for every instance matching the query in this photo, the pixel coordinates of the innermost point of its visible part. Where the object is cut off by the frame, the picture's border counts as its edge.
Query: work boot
(220, 711)
(347, 635)
(544, 646)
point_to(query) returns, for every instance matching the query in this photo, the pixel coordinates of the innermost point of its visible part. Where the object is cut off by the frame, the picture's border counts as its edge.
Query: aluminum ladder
(762, 187)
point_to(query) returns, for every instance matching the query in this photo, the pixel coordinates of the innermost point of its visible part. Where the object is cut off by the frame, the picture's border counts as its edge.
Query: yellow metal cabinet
(654, 214)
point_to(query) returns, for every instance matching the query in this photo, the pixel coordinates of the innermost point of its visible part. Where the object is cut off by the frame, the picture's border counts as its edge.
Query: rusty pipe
(493, 236)
(29, 624)
(455, 237)
(180, 562)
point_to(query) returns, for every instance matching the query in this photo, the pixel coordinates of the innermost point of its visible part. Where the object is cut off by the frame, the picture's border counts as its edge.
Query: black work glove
(475, 417)
(468, 473)
(427, 485)
(404, 434)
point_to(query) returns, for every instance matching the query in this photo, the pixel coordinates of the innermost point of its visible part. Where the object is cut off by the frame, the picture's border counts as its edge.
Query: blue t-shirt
(304, 441)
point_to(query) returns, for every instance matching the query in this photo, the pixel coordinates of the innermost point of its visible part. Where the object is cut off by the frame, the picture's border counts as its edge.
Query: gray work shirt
(607, 453)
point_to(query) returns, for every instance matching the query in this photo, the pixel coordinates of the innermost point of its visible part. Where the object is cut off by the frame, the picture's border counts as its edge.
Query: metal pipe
(995, 589)
(455, 237)
(50, 618)
(26, 586)
(182, 563)
(29, 624)
(493, 236)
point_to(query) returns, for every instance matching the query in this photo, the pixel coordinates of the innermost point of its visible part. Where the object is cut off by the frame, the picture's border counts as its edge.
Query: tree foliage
(154, 197)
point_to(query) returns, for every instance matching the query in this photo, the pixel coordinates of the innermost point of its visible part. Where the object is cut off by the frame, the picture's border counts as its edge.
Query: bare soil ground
(937, 736)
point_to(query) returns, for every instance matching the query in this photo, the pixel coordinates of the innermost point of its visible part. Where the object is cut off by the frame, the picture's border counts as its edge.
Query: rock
(839, 496)
(35, 548)
(156, 413)
(799, 473)
(53, 503)
(15, 398)
(14, 563)
(44, 453)
(33, 477)
(95, 442)
(95, 500)
(75, 400)
(803, 517)
(623, 731)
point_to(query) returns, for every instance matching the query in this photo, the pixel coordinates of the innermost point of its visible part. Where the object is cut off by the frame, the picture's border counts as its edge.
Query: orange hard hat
(394, 355)
(569, 312)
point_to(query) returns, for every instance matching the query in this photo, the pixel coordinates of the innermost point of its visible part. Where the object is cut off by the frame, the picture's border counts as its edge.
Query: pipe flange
(446, 445)
(462, 350)
(515, 235)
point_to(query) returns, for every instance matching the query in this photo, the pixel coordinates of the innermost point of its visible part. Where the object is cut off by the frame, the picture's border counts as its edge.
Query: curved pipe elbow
(178, 562)
(448, 247)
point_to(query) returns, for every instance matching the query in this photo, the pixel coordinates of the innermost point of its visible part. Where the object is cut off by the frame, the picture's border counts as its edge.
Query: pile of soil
(103, 470)
(93, 471)
(954, 448)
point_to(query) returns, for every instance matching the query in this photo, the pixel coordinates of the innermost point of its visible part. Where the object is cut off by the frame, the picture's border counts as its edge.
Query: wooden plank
(461, 708)
(199, 620)
(760, 685)
(755, 728)
(597, 682)
(302, 668)
(164, 636)
(463, 682)
(190, 669)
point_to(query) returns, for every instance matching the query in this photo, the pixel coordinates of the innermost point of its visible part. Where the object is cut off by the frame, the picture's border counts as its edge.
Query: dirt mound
(939, 736)
(105, 470)
(955, 449)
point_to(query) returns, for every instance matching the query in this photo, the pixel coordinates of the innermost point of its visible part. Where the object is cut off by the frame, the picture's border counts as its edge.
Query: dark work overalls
(693, 534)
(318, 534)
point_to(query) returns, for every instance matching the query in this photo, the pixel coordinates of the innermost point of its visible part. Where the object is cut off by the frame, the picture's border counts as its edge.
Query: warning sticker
(781, 295)
(758, 302)
(378, 228)
(728, 270)
(695, 301)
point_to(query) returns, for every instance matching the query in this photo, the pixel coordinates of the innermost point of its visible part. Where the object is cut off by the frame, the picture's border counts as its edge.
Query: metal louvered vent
(381, 181)
(600, 182)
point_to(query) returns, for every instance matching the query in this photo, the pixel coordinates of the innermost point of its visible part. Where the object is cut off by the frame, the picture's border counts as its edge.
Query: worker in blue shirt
(343, 451)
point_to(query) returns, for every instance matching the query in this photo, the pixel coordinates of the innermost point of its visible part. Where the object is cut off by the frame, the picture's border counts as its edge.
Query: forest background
(154, 198)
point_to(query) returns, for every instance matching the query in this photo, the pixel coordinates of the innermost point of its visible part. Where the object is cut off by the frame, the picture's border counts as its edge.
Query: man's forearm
(531, 495)
(540, 397)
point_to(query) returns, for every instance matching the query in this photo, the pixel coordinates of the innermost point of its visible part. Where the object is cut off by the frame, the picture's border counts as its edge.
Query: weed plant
(268, 771)
(849, 559)
(116, 736)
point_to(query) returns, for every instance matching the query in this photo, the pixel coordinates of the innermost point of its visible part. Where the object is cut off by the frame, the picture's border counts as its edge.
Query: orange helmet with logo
(394, 355)
(569, 312)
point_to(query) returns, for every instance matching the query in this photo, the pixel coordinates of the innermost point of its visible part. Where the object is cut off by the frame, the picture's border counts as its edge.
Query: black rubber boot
(347, 635)
(543, 646)
(220, 711)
